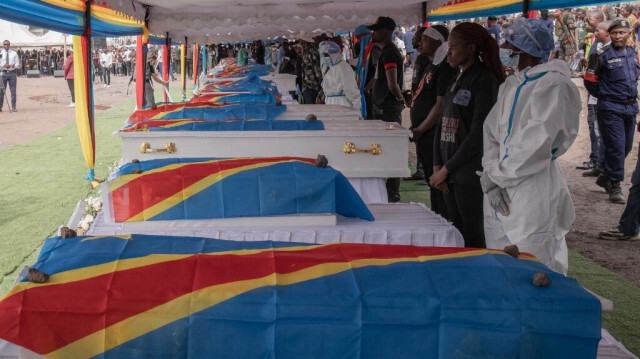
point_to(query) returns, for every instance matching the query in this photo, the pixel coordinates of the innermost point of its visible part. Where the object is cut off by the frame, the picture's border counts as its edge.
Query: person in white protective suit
(339, 81)
(534, 121)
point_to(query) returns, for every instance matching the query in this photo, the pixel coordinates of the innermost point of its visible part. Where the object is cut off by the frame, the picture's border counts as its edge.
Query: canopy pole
(423, 14)
(140, 72)
(166, 57)
(195, 66)
(183, 68)
(525, 9)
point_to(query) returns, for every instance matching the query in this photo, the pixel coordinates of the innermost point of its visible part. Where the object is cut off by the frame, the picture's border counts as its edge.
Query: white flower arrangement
(94, 205)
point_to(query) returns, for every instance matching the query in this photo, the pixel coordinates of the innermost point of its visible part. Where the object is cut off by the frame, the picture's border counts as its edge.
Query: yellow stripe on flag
(199, 300)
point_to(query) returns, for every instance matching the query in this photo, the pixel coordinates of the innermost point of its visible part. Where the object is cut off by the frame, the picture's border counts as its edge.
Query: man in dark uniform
(388, 101)
(612, 77)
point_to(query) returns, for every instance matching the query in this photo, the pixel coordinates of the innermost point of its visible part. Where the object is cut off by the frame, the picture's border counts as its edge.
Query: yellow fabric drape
(84, 109)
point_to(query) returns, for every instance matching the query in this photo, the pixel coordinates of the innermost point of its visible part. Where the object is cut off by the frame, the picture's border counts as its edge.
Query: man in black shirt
(150, 74)
(258, 54)
(421, 63)
(427, 102)
(388, 101)
(290, 58)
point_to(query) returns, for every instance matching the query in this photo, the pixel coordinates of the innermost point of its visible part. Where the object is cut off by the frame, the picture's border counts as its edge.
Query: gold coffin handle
(349, 148)
(145, 147)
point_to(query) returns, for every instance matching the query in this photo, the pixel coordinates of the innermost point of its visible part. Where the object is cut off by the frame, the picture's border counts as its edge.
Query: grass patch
(624, 321)
(41, 182)
(412, 192)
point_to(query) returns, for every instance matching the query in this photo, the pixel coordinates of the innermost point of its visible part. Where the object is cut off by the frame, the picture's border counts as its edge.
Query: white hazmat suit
(339, 81)
(534, 122)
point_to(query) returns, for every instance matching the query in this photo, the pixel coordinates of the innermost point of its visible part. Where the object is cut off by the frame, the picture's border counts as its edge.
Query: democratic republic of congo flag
(199, 188)
(208, 111)
(224, 125)
(135, 296)
(237, 71)
(236, 97)
(252, 83)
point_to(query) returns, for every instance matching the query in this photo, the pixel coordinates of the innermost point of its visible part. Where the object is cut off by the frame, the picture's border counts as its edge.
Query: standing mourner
(420, 64)
(339, 81)
(564, 29)
(386, 95)
(106, 60)
(527, 201)
(68, 75)
(426, 107)
(458, 137)
(9, 64)
(612, 77)
(368, 54)
(97, 68)
(627, 14)
(150, 75)
(287, 65)
(493, 27)
(23, 61)
(259, 54)
(311, 74)
(600, 38)
(242, 56)
(407, 38)
(422, 61)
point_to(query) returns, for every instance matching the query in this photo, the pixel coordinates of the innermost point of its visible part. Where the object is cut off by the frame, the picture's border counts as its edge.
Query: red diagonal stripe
(140, 115)
(147, 190)
(47, 318)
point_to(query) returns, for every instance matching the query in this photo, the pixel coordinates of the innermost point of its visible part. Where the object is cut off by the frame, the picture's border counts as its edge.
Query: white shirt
(14, 62)
(106, 59)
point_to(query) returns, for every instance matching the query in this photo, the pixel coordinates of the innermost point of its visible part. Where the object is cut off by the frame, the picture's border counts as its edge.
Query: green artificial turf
(624, 321)
(410, 191)
(41, 182)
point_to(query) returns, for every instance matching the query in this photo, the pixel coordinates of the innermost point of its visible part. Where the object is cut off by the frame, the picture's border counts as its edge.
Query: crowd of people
(492, 106)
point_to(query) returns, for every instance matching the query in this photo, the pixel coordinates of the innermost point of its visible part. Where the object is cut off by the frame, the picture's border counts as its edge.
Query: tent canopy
(217, 21)
(20, 36)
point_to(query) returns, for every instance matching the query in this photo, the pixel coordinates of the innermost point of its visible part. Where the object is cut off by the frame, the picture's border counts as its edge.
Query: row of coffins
(300, 259)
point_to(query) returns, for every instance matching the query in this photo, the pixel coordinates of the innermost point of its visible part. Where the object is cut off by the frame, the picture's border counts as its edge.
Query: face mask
(509, 58)
(326, 61)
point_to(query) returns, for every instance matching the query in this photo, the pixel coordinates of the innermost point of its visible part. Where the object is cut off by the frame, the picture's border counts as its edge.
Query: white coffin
(403, 224)
(391, 162)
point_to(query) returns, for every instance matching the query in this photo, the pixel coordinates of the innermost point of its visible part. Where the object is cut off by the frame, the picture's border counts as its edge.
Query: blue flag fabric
(241, 111)
(252, 83)
(241, 125)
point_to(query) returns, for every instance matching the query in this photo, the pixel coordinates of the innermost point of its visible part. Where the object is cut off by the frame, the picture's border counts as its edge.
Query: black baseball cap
(383, 22)
(618, 24)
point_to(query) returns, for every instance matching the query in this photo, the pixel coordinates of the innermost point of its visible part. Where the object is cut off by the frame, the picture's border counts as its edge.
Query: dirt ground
(43, 107)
